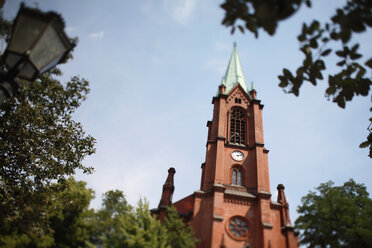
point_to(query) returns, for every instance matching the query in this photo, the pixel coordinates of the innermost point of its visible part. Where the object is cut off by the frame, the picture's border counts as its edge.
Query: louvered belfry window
(237, 127)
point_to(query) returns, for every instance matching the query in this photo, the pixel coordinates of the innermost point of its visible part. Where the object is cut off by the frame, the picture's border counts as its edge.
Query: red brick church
(233, 207)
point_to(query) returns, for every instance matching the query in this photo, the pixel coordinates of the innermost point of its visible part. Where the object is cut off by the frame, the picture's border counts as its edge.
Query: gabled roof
(234, 73)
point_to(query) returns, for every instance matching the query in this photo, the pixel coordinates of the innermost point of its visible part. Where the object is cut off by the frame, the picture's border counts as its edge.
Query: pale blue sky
(153, 68)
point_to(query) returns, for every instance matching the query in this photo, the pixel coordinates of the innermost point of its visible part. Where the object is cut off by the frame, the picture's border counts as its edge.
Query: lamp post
(38, 43)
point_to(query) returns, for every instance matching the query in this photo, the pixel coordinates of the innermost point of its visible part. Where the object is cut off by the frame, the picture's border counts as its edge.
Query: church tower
(233, 207)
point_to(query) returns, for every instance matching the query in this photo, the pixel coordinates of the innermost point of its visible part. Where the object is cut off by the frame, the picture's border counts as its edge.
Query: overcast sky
(153, 68)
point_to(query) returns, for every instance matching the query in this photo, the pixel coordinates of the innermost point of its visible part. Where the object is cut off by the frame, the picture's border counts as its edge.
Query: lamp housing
(37, 44)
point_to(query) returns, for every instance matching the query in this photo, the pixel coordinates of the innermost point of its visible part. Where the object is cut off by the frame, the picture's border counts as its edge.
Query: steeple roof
(234, 73)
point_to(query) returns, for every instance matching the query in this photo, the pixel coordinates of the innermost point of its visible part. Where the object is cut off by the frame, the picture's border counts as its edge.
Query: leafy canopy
(40, 144)
(317, 41)
(117, 224)
(336, 216)
(65, 208)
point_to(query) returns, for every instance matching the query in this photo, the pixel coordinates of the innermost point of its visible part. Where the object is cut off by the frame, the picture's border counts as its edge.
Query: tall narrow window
(237, 127)
(239, 178)
(236, 176)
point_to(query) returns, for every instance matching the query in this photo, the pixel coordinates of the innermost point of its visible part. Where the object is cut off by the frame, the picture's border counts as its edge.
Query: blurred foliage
(336, 216)
(118, 224)
(65, 211)
(317, 41)
(70, 223)
(40, 145)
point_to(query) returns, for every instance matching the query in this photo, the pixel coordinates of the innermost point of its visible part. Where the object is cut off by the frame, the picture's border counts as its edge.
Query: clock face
(237, 155)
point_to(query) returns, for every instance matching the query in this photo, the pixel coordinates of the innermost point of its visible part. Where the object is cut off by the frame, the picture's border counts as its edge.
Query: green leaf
(283, 83)
(340, 102)
(331, 90)
(287, 73)
(334, 36)
(355, 56)
(241, 29)
(301, 37)
(365, 144)
(345, 35)
(326, 52)
(341, 53)
(360, 73)
(313, 43)
(314, 26)
(354, 48)
(341, 63)
(369, 63)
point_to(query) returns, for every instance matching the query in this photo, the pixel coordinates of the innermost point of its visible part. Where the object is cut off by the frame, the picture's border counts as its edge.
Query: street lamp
(38, 43)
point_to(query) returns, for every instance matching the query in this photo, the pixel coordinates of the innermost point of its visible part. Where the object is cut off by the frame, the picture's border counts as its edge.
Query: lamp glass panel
(49, 47)
(51, 64)
(26, 33)
(27, 71)
(12, 59)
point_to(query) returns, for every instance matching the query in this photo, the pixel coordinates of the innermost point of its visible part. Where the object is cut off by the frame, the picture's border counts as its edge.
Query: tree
(69, 214)
(352, 79)
(117, 224)
(109, 222)
(65, 211)
(336, 216)
(40, 144)
(179, 235)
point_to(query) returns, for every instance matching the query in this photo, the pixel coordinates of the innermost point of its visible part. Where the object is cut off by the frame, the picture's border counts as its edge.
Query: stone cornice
(267, 225)
(237, 146)
(288, 227)
(219, 188)
(275, 205)
(203, 194)
(155, 211)
(242, 146)
(239, 197)
(223, 96)
(256, 101)
(217, 217)
(264, 195)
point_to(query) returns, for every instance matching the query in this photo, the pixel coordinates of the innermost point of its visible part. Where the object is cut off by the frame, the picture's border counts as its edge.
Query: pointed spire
(168, 189)
(166, 196)
(253, 92)
(252, 86)
(234, 73)
(284, 213)
(281, 196)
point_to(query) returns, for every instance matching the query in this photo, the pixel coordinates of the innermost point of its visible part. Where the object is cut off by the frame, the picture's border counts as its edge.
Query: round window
(238, 227)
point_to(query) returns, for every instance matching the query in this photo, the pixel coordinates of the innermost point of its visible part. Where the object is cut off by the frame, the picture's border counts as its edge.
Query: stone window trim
(237, 175)
(237, 228)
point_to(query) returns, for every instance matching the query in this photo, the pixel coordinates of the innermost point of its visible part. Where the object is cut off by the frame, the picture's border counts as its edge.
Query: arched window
(236, 176)
(237, 127)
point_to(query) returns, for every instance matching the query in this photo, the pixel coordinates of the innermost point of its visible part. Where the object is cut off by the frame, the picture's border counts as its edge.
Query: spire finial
(252, 86)
(234, 73)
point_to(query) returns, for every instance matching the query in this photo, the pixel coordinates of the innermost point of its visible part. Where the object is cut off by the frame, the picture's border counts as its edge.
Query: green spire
(234, 73)
(252, 86)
